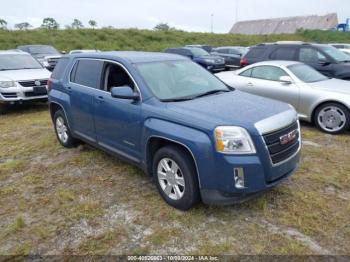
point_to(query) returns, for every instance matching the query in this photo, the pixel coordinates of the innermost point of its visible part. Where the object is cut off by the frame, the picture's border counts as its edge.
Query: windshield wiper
(177, 99)
(211, 92)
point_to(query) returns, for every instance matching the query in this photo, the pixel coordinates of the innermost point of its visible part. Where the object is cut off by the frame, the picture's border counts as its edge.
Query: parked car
(207, 48)
(45, 54)
(326, 59)
(22, 78)
(78, 51)
(231, 54)
(345, 48)
(201, 57)
(317, 98)
(199, 138)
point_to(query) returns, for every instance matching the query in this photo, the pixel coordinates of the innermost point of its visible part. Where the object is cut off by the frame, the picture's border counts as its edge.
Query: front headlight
(7, 84)
(233, 140)
(212, 61)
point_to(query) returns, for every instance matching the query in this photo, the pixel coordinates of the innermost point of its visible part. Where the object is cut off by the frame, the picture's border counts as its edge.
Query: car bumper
(20, 94)
(256, 179)
(216, 67)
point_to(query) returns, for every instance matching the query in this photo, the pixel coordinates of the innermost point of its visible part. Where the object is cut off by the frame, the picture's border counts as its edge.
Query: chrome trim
(176, 142)
(276, 122)
(104, 60)
(118, 152)
(289, 158)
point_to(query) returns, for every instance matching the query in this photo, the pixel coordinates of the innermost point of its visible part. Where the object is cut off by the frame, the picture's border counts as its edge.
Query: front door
(117, 121)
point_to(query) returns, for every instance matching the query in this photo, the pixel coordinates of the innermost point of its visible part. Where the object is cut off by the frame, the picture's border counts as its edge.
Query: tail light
(49, 83)
(244, 61)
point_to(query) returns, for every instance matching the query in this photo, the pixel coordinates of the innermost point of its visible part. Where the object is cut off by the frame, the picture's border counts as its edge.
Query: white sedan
(317, 98)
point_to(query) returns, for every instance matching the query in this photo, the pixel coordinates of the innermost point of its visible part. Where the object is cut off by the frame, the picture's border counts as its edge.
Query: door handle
(250, 84)
(100, 99)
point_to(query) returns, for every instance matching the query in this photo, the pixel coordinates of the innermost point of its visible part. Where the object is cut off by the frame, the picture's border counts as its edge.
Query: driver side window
(115, 76)
(310, 55)
(270, 73)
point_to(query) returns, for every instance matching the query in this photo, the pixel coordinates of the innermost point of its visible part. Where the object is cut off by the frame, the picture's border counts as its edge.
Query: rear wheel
(332, 118)
(63, 133)
(176, 177)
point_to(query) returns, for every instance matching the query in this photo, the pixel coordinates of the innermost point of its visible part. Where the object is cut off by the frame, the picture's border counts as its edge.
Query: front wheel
(176, 177)
(332, 118)
(62, 130)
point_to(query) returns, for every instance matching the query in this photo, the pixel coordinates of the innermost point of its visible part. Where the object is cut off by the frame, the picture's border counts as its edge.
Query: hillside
(147, 40)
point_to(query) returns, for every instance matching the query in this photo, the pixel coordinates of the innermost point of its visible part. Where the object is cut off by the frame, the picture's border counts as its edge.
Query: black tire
(342, 110)
(70, 141)
(191, 189)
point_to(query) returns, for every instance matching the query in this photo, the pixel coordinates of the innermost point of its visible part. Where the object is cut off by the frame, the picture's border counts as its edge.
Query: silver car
(318, 99)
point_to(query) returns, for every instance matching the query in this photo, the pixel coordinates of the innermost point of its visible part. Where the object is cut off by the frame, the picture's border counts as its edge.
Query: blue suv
(198, 138)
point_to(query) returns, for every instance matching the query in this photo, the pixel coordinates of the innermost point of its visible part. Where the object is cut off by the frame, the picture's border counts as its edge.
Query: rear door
(314, 58)
(85, 78)
(265, 81)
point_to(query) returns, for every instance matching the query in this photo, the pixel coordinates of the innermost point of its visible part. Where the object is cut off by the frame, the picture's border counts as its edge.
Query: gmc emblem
(288, 137)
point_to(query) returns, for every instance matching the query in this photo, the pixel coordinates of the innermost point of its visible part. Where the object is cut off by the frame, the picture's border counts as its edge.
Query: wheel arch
(54, 107)
(154, 143)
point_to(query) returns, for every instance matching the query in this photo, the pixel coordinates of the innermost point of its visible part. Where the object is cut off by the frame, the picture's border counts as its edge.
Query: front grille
(31, 83)
(219, 61)
(9, 95)
(278, 151)
(53, 61)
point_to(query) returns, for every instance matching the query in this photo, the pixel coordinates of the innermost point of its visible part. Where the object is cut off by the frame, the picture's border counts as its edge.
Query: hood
(25, 74)
(333, 85)
(234, 108)
(210, 57)
(46, 56)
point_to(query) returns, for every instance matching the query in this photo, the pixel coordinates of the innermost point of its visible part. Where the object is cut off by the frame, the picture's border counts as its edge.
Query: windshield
(173, 80)
(36, 50)
(198, 51)
(16, 62)
(336, 54)
(306, 73)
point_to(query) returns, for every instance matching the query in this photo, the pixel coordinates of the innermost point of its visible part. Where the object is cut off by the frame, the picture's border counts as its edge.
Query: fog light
(238, 174)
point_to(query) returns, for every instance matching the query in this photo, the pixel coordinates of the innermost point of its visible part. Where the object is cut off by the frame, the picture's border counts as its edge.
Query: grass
(84, 201)
(147, 40)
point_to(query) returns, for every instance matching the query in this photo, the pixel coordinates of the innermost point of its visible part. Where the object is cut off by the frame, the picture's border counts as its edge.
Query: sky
(188, 15)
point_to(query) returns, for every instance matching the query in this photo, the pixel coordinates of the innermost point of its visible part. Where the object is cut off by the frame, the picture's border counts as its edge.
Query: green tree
(164, 27)
(23, 26)
(3, 24)
(50, 23)
(93, 23)
(77, 24)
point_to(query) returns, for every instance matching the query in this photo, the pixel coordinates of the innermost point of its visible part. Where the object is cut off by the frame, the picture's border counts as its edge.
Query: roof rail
(291, 43)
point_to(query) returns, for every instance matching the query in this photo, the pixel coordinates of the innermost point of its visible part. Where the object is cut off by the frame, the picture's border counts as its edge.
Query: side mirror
(286, 80)
(124, 92)
(323, 62)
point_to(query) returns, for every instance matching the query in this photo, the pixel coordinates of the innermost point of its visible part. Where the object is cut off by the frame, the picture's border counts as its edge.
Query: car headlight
(7, 84)
(233, 140)
(212, 61)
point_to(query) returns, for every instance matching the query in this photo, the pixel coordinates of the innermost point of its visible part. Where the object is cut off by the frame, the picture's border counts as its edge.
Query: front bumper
(20, 94)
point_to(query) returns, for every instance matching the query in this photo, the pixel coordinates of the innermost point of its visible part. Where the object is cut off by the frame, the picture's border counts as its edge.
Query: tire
(2, 109)
(332, 118)
(62, 130)
(169, 185)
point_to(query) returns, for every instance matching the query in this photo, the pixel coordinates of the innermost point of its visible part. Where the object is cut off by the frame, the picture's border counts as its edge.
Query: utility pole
(237, 2)
(212, 23)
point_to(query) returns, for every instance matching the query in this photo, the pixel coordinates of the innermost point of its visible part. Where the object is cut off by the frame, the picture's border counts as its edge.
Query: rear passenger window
(60, 68)
(87, 73)
(310, 55)
(247, 73)
(284, 54)
(256, 52)
(270, 73)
